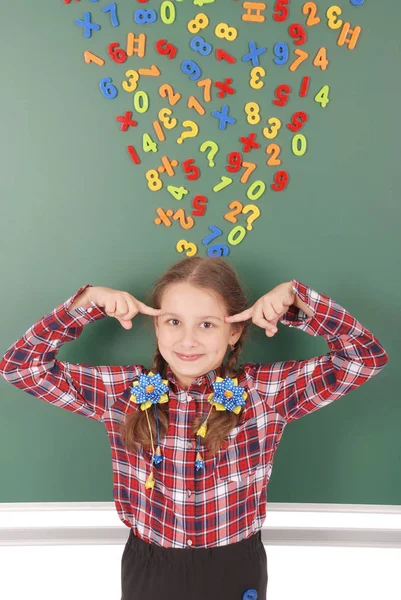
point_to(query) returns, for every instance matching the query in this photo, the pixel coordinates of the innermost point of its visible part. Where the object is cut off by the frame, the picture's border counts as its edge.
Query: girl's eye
(176, 320)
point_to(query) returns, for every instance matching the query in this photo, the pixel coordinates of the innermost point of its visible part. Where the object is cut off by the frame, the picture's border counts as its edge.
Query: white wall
(317, 552)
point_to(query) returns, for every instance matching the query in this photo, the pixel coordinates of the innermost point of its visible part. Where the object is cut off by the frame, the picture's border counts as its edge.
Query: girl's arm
(295, 388)
(30, 363)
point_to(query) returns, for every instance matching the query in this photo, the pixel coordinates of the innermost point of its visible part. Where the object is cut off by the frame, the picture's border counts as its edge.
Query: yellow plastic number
(252, 113)
(270, 133)
(201, 21)
(167, 122)
(256, 74)
(132, 83)
(332, 13)
(190, 247)
(222, 30)
(154, 181)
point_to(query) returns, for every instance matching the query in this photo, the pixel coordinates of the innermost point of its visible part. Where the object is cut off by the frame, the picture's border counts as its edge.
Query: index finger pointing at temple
(148, 310)
(242, 316)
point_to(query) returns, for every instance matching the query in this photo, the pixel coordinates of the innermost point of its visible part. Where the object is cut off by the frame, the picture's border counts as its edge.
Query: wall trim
(286, 524)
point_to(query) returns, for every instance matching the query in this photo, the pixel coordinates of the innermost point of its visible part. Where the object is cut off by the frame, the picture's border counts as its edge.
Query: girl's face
(192, 324)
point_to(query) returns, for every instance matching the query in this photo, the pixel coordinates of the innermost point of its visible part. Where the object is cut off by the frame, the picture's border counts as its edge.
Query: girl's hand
(120, 305)
(268, 309)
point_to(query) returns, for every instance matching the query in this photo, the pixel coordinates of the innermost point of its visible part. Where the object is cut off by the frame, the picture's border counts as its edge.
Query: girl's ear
(236, 332)
(156, 324)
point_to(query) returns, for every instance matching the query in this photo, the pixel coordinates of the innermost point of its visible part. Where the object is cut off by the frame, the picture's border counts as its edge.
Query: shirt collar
(203, 380)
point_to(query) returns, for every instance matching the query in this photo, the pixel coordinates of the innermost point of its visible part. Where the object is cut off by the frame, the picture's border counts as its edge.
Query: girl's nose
(189, 338)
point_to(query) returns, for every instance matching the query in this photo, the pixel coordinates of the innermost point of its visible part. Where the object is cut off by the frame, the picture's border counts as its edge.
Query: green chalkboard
(77, 209)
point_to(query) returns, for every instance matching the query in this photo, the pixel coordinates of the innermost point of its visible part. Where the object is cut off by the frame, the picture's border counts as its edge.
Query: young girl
(193, 439)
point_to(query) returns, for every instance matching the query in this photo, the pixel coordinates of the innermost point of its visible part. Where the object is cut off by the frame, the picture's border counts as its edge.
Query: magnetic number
(280, 181)
(167, 90)
(185, 222)
(117, 54)
(297, 121)
(141, 102)
(154, 181)
(142, 16)
(281, 51)
(132, 83)
(322, 97)
(331, 15)
(167, 122)
(148, 144)
(189, 67)
(252, 113)
(177, 192)
(310, 7)
(225, 181)
(299, 149)
(235, 160)
(191, 169)
(320, 59)
(167, 6)
(274, 150)
(222, 30)
(302, 55)
(241, 231)
(200, 21)
(231, 215)
(190, 247)
(271, 133)
(200, 45)
(297, 32)
(280, 10)
(107, 88)
(249, 168)
(218, 250)
(206, 84)
(256, 73)
(255, 195)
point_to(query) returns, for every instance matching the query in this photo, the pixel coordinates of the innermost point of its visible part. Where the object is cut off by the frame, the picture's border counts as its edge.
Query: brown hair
(216, 275)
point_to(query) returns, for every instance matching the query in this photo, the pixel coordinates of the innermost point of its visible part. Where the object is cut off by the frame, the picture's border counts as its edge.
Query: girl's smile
(189, 357)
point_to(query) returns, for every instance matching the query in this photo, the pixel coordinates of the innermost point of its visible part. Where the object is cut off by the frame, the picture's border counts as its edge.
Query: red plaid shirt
(226, 501)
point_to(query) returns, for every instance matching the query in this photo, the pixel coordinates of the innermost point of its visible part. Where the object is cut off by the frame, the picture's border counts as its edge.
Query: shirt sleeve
(295, 388)
(30, 363)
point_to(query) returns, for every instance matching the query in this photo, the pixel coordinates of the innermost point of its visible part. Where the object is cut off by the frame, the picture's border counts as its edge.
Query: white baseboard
(286, 524)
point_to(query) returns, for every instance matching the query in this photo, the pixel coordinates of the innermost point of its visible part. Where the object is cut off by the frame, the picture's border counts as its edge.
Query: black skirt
(232, 572)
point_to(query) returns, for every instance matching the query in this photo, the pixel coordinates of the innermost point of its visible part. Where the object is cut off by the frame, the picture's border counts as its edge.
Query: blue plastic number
(281, 51)
(107, 88)
(112, 9)
(218, 250)
(199, 45)
(189, 67)
(357, 2)
(142, 16)
(250, 594)
(216, 231)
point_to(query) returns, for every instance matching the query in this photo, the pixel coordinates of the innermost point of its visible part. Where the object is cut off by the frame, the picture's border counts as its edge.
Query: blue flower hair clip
(150, 390)
(227, 395)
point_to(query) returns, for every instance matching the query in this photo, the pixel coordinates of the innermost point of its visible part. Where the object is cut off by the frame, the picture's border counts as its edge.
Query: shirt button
(90, 309)
(190, 445)
(189, 542)
(189, 493)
